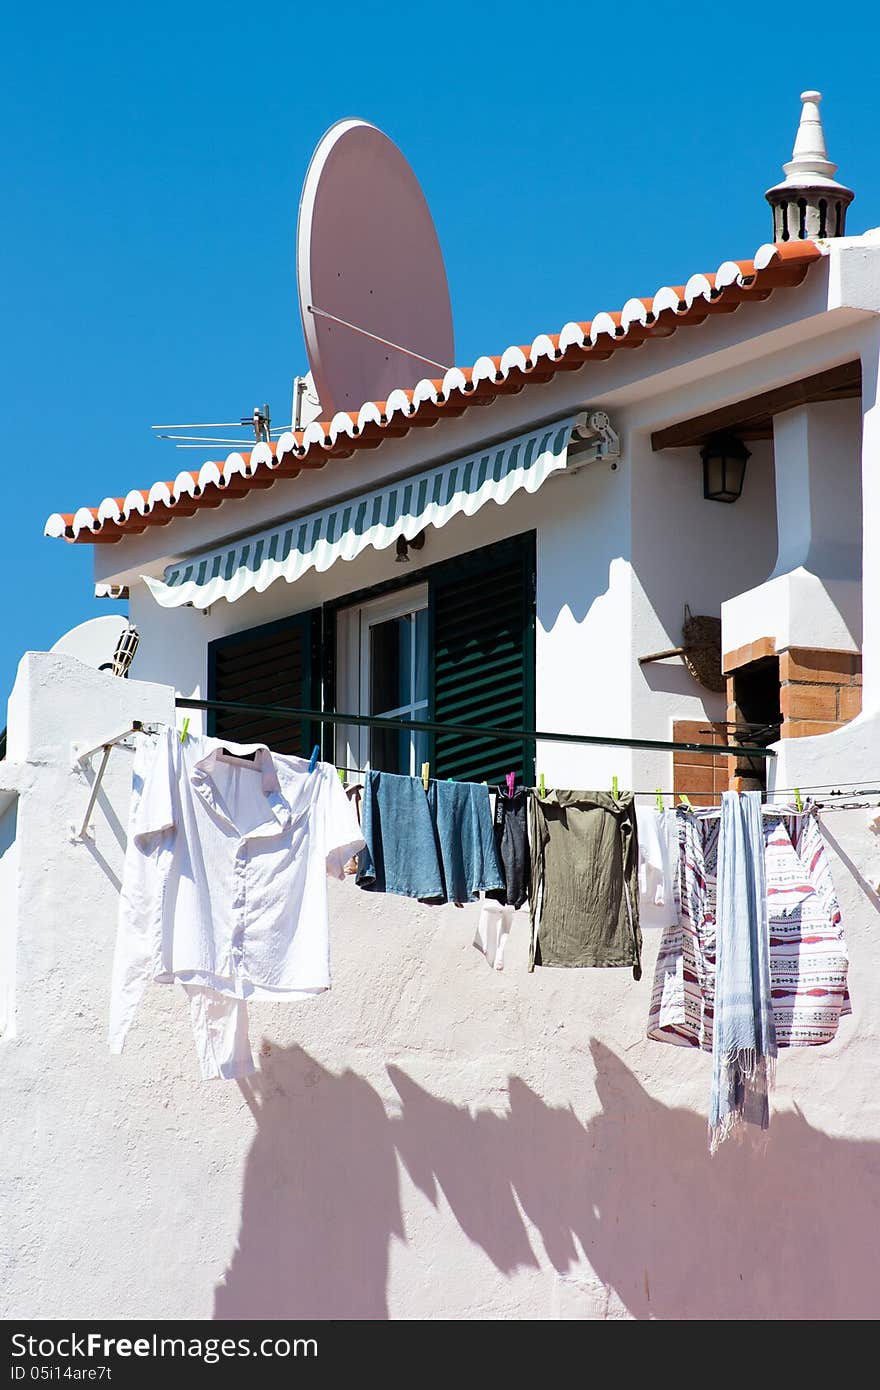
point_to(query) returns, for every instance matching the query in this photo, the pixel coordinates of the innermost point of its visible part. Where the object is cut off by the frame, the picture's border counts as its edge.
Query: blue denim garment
(436, 846)
(400, 855)
(466, 838)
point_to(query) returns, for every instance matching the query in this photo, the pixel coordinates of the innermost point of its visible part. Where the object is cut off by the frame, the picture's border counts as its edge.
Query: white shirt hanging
(225, 878)
(658, 853)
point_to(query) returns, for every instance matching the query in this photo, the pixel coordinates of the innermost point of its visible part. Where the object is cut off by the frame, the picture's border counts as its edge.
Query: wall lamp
(724, 467)
(403, 547)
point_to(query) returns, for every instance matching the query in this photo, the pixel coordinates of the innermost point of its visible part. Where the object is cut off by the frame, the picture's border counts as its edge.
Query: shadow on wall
(787, 1233)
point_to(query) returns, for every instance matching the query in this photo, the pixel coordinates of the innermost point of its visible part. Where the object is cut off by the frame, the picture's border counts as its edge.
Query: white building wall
(431, 1139)
(813, 598)
(687, 551)
(9, 914)
(582, 617)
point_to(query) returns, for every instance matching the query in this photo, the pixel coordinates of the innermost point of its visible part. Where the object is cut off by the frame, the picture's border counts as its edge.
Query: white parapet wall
(431, 1139)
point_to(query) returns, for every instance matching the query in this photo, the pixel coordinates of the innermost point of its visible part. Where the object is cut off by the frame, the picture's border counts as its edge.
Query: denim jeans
(437, 846)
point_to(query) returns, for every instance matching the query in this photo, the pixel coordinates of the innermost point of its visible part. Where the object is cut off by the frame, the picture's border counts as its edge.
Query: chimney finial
(809, 202)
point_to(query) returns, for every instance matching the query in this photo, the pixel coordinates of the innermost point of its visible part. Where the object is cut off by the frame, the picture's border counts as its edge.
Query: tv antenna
(259, 421)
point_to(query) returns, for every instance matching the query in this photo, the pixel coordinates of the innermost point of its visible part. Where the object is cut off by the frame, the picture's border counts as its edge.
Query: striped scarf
(744, 1035)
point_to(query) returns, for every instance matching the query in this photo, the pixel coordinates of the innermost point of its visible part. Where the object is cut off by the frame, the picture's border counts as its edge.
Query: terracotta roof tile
(775, 266)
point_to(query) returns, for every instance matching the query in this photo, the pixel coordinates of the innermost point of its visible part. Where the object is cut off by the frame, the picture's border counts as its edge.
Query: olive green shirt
(585, 892)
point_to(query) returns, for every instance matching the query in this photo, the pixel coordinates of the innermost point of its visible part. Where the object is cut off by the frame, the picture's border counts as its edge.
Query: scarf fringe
(748, 1062)
(758, 1072)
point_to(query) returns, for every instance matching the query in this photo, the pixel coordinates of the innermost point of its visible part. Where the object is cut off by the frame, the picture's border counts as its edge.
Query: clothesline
(428, 726)
(833, 789)
(362, 772)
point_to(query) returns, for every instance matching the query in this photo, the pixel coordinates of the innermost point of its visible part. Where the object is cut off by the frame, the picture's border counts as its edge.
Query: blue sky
(152, 158)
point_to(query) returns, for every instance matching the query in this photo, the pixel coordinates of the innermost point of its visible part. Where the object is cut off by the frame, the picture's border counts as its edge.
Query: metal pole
(427, 726)
(96, 787)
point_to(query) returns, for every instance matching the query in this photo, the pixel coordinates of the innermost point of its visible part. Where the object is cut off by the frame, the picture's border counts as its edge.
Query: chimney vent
(809, 202)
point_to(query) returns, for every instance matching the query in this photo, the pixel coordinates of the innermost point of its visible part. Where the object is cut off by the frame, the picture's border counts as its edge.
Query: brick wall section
(821, 690)
(752, 651)
(701, 775)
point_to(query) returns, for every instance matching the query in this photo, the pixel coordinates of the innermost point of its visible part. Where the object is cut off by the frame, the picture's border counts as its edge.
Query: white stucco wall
(9, 915)
(813, 598)
(687, 551)
(429, 1140)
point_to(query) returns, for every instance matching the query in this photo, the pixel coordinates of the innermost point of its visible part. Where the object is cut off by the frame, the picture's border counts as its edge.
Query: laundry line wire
(334, 717)
(772, 798)
(834, 789)
(533, 736)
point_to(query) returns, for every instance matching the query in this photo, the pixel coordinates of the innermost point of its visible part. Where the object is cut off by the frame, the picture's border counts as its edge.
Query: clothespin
(426, 773)
(542, 790)
(314, 758)
(797, 799)
(341, 771)
(184, 733)
(659, 796)
(614, 787)
(685, 800)
(511, 783)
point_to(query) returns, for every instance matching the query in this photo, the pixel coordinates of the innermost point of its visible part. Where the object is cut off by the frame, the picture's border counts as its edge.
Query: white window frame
(353, 669)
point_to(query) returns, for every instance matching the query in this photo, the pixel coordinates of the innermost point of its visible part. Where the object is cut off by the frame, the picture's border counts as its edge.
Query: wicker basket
(700, 651)
(701, 640)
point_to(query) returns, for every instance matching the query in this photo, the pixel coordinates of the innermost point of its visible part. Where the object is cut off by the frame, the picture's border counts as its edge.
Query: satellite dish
(93, 642)
(372, 285)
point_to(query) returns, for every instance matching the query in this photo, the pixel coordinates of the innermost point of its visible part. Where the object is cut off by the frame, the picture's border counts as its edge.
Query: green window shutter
(277, 664)
(483, 618)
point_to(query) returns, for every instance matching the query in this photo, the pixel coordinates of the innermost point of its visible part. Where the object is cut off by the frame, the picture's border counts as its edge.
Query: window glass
(398, 684)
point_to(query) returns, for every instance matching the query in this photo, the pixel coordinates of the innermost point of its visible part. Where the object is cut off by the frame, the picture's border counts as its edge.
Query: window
(382, 652)
(276, 664)
(457, 649)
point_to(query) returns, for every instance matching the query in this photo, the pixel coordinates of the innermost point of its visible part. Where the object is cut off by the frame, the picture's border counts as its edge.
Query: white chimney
(809, 202)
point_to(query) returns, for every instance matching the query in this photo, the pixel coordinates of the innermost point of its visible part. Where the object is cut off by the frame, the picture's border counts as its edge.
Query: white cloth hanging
(493, 929)
(225, 881)
(658, 850)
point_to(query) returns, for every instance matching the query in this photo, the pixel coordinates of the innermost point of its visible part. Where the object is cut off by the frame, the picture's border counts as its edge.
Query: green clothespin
(685, 800)
(797, 799)
(542, 790)
(184, 733)
(659, 796)
(341, 771)
(614, 787)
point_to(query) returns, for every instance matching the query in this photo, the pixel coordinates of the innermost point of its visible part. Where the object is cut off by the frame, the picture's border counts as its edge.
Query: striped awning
(400, 508)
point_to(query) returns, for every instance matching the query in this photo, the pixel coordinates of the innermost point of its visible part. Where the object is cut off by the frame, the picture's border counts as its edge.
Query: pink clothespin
(511, 783)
